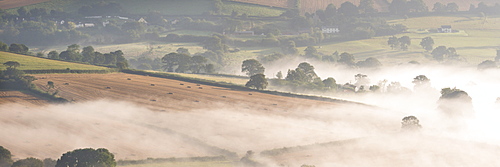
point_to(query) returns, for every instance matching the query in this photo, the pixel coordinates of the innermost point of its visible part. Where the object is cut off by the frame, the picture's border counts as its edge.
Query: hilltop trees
(87, 157)
(252, 67)
(455, 103)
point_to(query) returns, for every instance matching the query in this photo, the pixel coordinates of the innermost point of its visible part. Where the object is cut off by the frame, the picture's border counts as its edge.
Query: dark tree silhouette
(257, 81)
(410, 123)
(87, 157)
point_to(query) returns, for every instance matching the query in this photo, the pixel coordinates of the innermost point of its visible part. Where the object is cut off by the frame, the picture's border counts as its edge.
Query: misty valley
(249, 83)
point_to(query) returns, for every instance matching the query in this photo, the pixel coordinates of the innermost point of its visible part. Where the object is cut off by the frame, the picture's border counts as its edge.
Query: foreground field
(173, 120)
(20, 98)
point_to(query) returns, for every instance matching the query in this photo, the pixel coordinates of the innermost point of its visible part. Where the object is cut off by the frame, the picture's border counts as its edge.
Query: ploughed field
(137, 117)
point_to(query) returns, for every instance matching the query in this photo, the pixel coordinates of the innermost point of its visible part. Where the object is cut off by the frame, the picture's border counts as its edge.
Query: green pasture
(250, 9)
(185, 164)
(35, 63)
(237, 81)
(170, 7)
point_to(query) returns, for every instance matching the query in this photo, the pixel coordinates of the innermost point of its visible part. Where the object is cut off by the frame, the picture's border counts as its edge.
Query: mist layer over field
(341, 134)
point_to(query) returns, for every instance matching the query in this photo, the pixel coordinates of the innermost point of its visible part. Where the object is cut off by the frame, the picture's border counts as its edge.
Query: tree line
(85, 157)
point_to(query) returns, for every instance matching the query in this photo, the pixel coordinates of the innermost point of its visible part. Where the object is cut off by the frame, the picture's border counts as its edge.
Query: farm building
(445, 29)
(330, 29)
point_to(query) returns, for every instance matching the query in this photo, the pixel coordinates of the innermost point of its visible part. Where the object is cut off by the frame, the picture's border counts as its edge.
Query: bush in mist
(87, 157)
(28, 162)
(249, 161)
(487, 64)
(5, 157)
(455, 103)
(410, 123)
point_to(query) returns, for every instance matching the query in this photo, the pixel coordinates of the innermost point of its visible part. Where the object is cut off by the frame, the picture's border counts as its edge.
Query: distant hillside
(381, 5)
(7, 4)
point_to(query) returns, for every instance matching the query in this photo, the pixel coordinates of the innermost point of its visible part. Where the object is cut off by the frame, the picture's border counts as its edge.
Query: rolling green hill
(36, 63)
(170, 7)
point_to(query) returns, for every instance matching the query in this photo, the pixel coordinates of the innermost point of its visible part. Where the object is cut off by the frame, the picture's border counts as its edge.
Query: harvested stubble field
(137, 117)
(20, 98)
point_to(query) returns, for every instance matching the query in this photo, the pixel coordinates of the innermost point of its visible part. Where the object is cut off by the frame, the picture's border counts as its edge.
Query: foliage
(18, 48)
(427, 43)
(370, 62)
(87, 157)
(28, 162)
(454, 93)
(288, 47)
(257, 81)
(346, 59)
(393, 42)
(5, 157)
(348, 9)
(404, 41)
(410, 123)
(487, 64)
(252, 67)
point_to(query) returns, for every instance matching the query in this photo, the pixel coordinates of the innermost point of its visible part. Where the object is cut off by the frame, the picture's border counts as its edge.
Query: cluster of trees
(12, 78)
(490, 64)
(14, 47)
(442, 53)
(79, 157)
(90, 56)
(399, 43)
(305, 78)
(182, 62)
(35, 27)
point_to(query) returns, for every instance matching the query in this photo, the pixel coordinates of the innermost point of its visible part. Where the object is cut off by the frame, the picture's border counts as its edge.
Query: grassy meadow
(170, 7)
(35, 63)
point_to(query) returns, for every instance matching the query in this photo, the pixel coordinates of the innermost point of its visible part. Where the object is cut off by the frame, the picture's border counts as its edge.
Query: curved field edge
(233, 86)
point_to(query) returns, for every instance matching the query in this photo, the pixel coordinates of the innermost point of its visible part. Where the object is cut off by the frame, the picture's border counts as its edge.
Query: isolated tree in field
(28, 162)
(257, 81)
(12, 64)
(410, 123)
(404, 41)
(252, 67)
(5, 157)
(427, 43)
(347, 59)
(87, 157)
(487, 64)
(393, 42)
